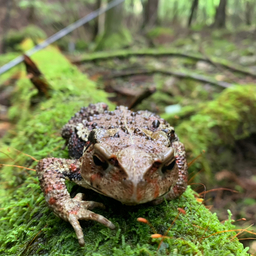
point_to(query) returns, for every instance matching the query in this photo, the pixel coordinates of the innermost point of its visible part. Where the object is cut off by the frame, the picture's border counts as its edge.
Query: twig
(216, 65)
(145, 94)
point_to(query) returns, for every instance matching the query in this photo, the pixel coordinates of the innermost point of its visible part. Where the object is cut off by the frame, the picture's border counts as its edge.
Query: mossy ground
(211, 118)
(117, 40)
(14, 37)
(218, 124)
(28, 227)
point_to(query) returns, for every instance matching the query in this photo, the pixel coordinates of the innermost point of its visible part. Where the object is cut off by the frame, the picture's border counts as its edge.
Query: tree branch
(193, 76)
(161, 53)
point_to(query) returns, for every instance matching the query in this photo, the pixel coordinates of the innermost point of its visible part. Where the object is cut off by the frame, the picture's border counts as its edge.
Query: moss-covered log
(28, 227)
(218, 125)
(163, 53)
(187, 74)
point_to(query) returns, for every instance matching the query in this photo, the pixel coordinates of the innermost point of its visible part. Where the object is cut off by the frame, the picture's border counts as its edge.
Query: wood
(193, 76)
(142, 96)
(150, 13)
(193, 11)
(162, 53)
(6, 24)
(36, 77)
(220, 15)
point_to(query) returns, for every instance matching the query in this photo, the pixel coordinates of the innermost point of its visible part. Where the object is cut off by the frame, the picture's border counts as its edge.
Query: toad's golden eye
(168, 167)
(100, 162)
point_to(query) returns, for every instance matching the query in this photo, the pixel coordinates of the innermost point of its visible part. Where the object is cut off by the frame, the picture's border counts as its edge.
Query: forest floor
(134, 73)
(184, 71)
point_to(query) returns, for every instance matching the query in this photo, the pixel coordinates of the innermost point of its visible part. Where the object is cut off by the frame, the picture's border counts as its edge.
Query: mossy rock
(28, 227)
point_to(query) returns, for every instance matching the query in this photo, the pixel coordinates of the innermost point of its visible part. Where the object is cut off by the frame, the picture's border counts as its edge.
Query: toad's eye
(100, 162)
(168, 167)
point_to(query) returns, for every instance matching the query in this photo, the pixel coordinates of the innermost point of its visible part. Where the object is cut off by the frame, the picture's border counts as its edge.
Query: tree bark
(220, 15)
(175, 12)
(6, 23)
(130, 17)
(193, 11)
(95, 28)
(31, 15)
(150, 13)
(114, 18)
(248, 12)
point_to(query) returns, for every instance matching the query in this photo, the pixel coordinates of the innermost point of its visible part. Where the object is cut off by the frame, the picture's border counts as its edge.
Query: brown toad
(133, 157)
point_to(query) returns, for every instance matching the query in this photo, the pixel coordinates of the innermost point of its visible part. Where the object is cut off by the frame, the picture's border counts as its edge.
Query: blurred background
(176, 58)
(170, 20)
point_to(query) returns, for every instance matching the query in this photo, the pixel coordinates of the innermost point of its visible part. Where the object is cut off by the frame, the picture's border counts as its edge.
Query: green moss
(159, 31)
(39, 231)
(118, 40)
(186, 53)
(14, 37)
(215, 125)
(71, 90)
(34, 32)
(229, 117)
(28, 227)
(81, 45)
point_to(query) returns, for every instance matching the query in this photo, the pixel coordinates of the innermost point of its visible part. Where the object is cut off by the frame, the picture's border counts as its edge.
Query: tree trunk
(220, 15)
(150, 13)
(204, 12)
(248, 12)
(131, 16)
(95, 28)
(6, 23)
(193, 11)
(115, 34)
(31, 15)
(175, 12)
(114, 18)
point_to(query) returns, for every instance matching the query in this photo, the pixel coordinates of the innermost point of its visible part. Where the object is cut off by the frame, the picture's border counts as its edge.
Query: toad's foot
(76, 210)
(52, 173)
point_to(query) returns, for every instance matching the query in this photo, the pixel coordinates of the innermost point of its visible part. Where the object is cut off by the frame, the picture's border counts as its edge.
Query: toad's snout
(137, 164)
(139, 193)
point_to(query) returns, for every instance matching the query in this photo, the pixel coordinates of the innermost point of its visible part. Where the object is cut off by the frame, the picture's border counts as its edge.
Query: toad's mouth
(98, 191)
(132, 194)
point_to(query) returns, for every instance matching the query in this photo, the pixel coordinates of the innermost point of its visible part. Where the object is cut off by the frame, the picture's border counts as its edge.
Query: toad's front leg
(52, 173)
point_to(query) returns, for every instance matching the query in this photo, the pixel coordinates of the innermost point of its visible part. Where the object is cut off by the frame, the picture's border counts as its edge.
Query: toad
(133, 157)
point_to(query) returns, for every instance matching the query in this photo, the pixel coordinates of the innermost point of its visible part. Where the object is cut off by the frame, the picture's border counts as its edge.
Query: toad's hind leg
(52, 173)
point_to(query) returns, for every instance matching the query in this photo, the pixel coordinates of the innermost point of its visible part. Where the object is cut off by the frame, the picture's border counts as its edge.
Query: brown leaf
(36, 77)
